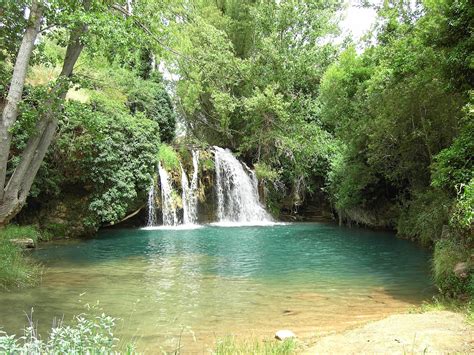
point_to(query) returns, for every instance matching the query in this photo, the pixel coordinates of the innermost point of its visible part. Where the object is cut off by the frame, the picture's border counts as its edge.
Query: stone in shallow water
(284, 334)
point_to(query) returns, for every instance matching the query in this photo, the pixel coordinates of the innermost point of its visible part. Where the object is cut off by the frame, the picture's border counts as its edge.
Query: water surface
(199, 284)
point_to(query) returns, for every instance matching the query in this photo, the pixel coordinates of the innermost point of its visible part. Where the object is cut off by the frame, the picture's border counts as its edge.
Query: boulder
(461, 270)
(284, 334)
(24, 243)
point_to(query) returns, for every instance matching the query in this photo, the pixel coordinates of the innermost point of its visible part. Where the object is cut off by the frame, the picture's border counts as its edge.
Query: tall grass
(13, 231)
(447, 254)
(17, 269)
(230, 346)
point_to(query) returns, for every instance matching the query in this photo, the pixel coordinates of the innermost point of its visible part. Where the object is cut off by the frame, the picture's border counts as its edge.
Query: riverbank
(16, 268)
(430, 332)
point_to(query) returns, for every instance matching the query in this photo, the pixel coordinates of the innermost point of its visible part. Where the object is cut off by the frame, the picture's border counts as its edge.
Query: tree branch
(147, 30)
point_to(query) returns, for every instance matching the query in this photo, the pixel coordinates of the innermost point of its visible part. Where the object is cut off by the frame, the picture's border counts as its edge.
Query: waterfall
(189, 193)
(236, 188)
(168, 205)
(185, 196)
(237, 192)
(151, 206)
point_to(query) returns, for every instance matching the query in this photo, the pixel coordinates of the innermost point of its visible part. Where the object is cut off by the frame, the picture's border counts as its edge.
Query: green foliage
(454, 165)
(168, 158)
(463, 212)
(86, 335)
(13, 23)
(113, 154)
(153, 100)
(266, 173)
(206, 161)
(442, 303)
(249, 80)
(402, 112)
(16, 269)
(230, 345)
(54, 230)
(107, 144)
(424, 216)
(449, 252)
(13, 231)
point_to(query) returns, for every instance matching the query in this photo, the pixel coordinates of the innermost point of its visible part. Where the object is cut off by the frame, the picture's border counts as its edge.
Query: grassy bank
(16, 268)
(230, 346)
(441, 303)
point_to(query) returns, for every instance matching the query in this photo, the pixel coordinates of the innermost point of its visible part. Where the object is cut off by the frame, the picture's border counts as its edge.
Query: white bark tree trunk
(10, 110)
(19, 185)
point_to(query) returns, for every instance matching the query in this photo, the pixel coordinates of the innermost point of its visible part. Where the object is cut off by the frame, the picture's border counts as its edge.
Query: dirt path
(431, 332)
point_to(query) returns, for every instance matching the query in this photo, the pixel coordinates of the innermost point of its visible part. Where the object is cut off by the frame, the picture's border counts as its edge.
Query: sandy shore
(437, 332)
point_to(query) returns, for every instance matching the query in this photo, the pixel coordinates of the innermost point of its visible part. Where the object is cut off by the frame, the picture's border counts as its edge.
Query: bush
(424, 216)
(106, 159)
(168, 158)
(87, 335)
(266, 172)
(454, 166)
(447, 254)
(462, 217)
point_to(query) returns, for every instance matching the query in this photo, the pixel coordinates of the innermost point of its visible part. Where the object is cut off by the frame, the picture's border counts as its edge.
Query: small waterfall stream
(189, 192)
(168, 205)
(237, 193)
(151, 207)
(236, 188)
(185, 196)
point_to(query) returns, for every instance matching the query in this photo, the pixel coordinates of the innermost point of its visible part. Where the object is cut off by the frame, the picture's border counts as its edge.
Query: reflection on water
(203, 283)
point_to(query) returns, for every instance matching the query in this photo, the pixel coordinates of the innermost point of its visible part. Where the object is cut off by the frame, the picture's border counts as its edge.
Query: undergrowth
(168, 158)
(229, 346)
(440, 303)
(85, 335)
(16, 268)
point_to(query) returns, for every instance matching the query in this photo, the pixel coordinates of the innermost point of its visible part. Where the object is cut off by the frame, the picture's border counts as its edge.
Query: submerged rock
(24, 243)
(284, 334)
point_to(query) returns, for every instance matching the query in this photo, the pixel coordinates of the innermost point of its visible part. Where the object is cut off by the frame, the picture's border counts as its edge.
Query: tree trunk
(10, 110)
(20, 182)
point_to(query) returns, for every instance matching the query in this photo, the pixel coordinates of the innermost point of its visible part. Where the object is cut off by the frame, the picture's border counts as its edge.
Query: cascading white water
(189, 194)
(151, 206)
(236, 187)
(237, 192)
(168, 206)
(185, 195)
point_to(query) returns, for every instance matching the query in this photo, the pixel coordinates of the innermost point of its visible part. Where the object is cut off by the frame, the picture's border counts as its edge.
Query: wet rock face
(67, 217)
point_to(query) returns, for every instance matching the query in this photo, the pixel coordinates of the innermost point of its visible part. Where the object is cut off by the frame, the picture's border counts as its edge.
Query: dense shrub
(448, 253)
(111, 155)
(424, 215)
(86, 335)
